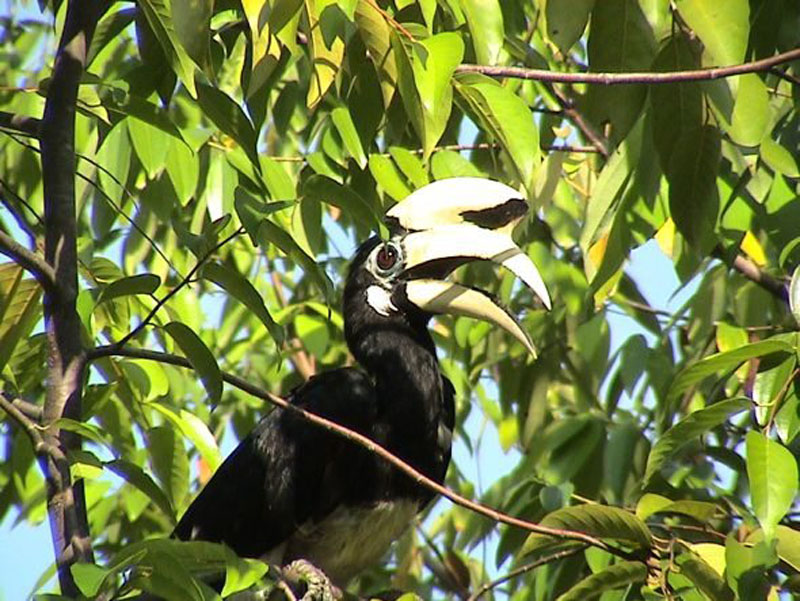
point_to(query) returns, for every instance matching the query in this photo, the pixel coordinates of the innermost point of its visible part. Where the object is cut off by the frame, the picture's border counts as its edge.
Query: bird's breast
(351, 539)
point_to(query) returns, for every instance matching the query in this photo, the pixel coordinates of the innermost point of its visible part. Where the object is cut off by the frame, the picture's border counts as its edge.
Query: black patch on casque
(498, 216)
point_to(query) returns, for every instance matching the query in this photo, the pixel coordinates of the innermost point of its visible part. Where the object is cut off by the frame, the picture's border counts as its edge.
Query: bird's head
(400, 282)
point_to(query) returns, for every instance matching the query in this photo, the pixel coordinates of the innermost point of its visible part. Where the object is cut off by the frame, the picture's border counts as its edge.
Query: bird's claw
(318, 585)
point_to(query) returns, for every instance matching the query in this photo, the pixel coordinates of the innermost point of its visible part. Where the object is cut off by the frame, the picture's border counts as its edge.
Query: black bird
(293, 491)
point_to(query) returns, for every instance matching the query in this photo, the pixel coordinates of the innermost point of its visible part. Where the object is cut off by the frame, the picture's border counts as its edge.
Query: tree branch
(645, 77)
(755, 274)
(28, 126)
(65, 358)
(29, 260)
(524, 569)
(367, 443)
(184, 282)
(55, 465)
(574, 115)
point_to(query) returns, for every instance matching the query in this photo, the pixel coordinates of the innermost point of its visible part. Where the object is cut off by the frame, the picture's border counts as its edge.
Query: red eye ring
(387, 257)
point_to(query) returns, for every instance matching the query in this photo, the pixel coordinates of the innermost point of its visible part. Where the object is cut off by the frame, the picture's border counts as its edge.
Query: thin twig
(458, 588)
(370, 445)
(795, 81)
(19, 199)
(184, 282)
(29, 260)
(303, 363)
(563, 554)
(574, 115)
(139, 230)
(755, 274)
(391, 20)
(644, 77)
(28, 126)
(31, 410)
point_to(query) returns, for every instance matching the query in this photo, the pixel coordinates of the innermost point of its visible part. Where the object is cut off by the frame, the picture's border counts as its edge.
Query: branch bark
(645, 77)
(28, 126)
(29, 260)
(367, 443)
(66, 503)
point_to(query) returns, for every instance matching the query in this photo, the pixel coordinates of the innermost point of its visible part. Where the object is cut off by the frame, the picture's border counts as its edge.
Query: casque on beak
(454, 221)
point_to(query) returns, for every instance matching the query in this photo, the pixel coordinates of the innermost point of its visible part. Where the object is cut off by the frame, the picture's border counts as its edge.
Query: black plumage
(277, 494)
(292, 490)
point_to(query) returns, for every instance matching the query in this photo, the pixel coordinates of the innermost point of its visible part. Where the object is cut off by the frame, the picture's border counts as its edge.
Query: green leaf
(170, 462)
(620, 39)
(388, 177)
(722, 27)
(609, 188)
(708, 366)
(485, 21)
(252, 211)
(347, 131)
(151, 145)
(601, 521)
(704, 577)
(85, 430)
(282, 11)
(508, 118)
(329, 191)
(196, 431)
(751, 112)
(788, 546)
(778, 158)
(566, 21)
(424, 73)
(144, 283)
(242, 290)
(241, 573)
(746, 567)
(613, 577)
(772, 471)
(229, 117)
(689, 428)
(89, 577)
(158, 16)
(650, 504)
(269, 233)
(19, 308)
(676, 107)
(449, 163)
(692, 176)
(201, 358)
(137, 477)
(183, 169)
(192, 22)
(410, 165)
(375, 32)
(327, 51)
(107, 30)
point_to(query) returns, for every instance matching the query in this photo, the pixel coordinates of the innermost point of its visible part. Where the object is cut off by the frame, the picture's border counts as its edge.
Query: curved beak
(451, 222)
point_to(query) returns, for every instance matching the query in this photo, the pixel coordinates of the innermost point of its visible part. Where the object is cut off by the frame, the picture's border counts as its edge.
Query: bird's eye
(387, 258)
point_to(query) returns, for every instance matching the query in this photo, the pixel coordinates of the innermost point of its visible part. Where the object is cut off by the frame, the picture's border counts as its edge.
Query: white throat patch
(381, 300)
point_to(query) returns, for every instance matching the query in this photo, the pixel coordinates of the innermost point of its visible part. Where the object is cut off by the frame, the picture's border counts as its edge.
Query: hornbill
(293, 491)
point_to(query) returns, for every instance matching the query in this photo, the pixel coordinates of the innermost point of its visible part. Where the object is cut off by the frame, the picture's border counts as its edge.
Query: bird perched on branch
(293, 491)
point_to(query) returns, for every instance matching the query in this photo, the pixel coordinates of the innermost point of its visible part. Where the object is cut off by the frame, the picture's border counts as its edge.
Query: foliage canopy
(230, 155)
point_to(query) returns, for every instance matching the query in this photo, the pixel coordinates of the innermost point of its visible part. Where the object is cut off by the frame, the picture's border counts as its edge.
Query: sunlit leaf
(158, 16)
(690, 428)
(613, 577)
(722, 29)
(201, 358)
(241, 289)
(772, 471)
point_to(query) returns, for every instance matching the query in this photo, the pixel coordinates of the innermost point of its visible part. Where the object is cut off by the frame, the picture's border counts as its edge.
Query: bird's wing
(287, 471)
